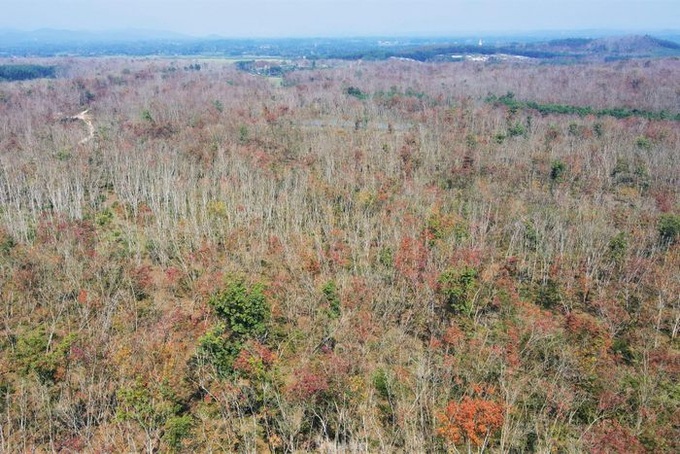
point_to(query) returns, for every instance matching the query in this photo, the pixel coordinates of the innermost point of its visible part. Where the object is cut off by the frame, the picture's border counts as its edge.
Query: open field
(366, 257)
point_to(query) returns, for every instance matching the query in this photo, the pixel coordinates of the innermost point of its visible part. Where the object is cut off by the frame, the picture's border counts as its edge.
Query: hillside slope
(354, 257)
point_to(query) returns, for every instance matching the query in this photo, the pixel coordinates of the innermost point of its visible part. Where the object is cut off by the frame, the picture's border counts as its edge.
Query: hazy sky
(340, 17)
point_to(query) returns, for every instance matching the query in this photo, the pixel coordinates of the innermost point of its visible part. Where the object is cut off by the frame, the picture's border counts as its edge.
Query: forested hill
(571, 49)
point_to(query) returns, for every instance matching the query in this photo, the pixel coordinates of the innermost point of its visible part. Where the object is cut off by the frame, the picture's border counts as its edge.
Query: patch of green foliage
(643, 143)
(330, 293)
(457, 287)
(381, 383)
(244, 313)
(508, 100)
(216, 348)
(155, 407)
(616, 249)
(244, 309)
(394, 92)
(516, 129)
(386, 256)
(25, 72)
(549, 294)
(557, 170)
(36, 353)
(6, 244)
(531, 237)
(356, 92)
(177, 428)
(669, 228)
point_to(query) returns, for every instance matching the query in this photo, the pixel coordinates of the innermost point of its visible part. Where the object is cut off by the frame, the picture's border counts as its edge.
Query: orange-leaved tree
(472, 421)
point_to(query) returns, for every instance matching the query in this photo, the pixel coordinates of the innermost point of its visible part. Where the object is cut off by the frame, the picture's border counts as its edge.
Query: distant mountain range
(135, 42)
(54, 36)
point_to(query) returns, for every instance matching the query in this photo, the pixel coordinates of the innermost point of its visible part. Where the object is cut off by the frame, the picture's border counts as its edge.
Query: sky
(290, 18)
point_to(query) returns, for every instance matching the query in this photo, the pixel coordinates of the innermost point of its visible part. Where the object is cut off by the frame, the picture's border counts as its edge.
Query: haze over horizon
(299, 18)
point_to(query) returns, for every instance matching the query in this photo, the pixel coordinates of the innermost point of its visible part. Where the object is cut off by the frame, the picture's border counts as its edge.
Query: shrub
(575, 130)
(627, 174)
(457, 287)
(531, 237)
(516, 130)
(34, 353)
(245, 313)
(243, 135)
(383, 386)
(669, 228)
(617, 247)
(7, 242)
(146, 116)
(330, 293)
(598, 129)
(357, 93)
(218, 350)
(386, 256)
(156, 409)
(557, 170)
(643, 143)
(381, 383)
(549, 294)
(499, 138)
(177, 428)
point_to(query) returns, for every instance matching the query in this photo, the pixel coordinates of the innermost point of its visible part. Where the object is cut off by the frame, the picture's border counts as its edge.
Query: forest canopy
(351, 256)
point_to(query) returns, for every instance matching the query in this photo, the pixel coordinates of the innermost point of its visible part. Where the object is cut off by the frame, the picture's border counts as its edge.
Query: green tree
(669, 228)
(330, 293)
(244, 309)
(457, 287)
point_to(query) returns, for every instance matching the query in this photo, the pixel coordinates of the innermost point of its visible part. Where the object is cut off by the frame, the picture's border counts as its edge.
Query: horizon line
(412, 34)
